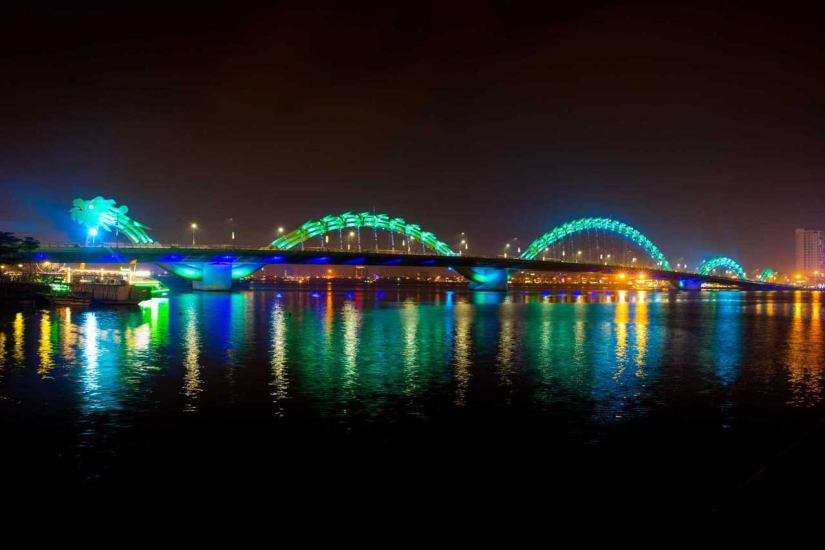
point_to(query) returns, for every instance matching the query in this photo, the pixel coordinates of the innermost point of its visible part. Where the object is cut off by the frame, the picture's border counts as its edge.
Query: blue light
(428, 262)
(356, 261)
(545, 293)
(316, 295)
(273, 259)
(380, 294)
(350, 294)
(321, 260)
(278, 295)
(393, 261)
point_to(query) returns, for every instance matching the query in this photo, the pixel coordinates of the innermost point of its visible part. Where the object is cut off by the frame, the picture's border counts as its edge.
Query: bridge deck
(231, 254)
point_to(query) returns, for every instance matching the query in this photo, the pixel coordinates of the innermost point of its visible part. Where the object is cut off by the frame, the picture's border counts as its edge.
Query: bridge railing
(148, 246)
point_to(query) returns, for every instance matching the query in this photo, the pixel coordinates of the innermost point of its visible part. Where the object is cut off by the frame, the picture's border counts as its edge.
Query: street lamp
(93, 234)
(194, 226)
(350, 236)
(506, 248)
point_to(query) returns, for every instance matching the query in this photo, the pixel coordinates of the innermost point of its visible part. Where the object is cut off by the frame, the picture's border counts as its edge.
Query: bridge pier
(485, 278)
(690, 284)
(212, 275)
(215, 277)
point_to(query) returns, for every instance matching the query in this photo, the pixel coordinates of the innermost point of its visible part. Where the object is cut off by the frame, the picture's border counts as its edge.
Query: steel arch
(725, 262)
(348, 220)
(585, 224)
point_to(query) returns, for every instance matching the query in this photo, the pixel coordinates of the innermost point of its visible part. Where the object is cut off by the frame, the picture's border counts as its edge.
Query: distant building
(360, 272)
(810, 251)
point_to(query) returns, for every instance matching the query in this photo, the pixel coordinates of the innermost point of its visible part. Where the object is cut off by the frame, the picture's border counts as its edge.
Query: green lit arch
(585, 224)
(725, 262)
(348, 220)
(767, 274)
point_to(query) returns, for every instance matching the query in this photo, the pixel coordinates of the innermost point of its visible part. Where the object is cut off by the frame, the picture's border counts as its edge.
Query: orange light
(622, 275)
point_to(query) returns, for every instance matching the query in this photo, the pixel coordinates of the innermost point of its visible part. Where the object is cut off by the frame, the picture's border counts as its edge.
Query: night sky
(702, 128)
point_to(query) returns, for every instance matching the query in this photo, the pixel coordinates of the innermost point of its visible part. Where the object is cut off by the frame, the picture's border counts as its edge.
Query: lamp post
(93, 234)
(194, 226)
(462, 245)
(349, 238)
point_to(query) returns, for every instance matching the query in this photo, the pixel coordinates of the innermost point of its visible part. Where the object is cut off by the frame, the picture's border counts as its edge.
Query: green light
(586, 224)
(99, 213)
(725, 262)
(348, 220)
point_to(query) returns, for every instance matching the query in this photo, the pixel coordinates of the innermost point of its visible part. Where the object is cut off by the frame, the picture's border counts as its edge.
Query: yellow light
(622, 275)
(194, 226)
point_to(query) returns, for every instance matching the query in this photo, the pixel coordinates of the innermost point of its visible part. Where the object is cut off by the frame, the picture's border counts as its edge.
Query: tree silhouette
(8, 244)
(28, 245)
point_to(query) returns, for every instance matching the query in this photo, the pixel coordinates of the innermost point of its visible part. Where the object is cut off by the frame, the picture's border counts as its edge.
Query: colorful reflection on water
(585, 364)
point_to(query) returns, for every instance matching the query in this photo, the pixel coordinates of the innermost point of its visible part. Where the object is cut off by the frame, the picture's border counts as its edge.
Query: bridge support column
(690, 284)
(485, 278)
(215, 277)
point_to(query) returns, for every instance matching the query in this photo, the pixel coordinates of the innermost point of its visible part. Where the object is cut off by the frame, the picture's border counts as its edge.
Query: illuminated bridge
(588, 245)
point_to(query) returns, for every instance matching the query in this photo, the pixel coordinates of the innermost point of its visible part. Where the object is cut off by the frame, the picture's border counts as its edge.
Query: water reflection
(805, 352)
(506, 348)
(90, 377)
(726, 350)
(191, 343)
(462, 344)
(280, 383)
(356, 360)
(45, 345)
(410, 318)
(2, 351)
(640, 322)
(19, 344)
(351, 325)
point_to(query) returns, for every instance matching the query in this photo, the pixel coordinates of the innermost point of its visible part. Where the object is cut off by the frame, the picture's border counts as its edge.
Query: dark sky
(702, 127)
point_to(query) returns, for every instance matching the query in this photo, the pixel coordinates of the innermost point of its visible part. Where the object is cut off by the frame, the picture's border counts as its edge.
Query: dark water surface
(705, 404)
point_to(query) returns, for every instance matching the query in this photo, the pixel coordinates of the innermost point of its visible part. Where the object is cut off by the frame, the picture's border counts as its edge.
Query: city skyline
(699, 127)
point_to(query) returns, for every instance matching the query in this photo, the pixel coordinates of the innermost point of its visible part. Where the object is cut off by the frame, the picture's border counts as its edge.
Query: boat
(156, 288)
(124, 286)
(71, 298)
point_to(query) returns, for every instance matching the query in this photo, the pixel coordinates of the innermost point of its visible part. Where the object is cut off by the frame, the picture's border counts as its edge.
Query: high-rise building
(810, 251)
